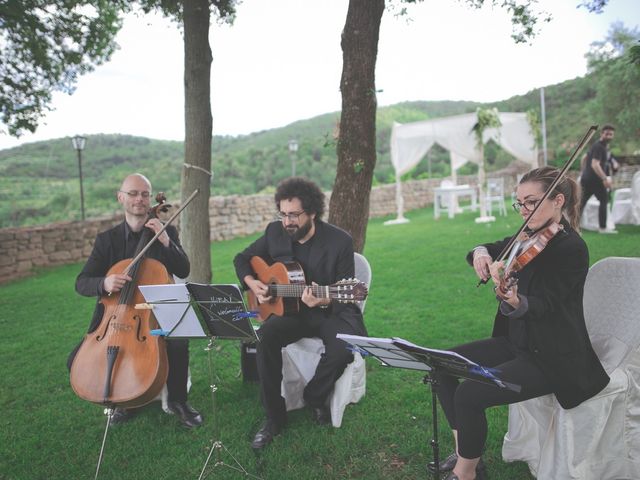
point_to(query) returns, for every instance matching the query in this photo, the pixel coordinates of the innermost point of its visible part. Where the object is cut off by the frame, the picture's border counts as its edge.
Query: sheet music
(419, 349)
(384, 350)
(223, 310)
(172, 310)
(397, 352)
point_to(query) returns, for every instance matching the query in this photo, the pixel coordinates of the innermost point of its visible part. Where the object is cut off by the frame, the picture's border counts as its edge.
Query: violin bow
(585, 139)
(164, 227)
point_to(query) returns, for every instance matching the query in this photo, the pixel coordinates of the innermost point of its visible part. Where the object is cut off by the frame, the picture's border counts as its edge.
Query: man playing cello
(120, 243)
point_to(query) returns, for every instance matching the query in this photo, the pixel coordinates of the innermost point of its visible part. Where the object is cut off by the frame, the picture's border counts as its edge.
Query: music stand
(399, 353)
(222, 312)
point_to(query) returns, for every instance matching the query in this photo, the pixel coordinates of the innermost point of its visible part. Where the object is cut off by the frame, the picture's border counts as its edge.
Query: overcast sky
(281, 62)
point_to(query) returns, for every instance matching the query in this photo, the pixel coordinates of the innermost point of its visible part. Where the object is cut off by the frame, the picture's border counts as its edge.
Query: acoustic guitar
(286, 284)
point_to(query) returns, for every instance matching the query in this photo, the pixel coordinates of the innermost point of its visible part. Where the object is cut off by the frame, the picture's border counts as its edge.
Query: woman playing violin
(539, 340)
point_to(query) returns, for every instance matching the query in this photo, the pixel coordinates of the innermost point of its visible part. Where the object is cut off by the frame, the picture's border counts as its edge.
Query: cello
(121, 363)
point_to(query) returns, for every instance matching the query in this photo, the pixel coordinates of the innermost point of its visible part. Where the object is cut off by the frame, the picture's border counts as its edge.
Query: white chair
(300, 359)
(495, 194)
(589, 218)
(625, 206)
(513, 194)
(599, 439)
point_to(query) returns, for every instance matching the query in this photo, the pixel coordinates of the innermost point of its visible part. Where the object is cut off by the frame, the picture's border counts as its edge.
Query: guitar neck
(295, 291)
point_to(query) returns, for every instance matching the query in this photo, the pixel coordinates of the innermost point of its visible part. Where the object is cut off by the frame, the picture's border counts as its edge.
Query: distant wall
(23, 249)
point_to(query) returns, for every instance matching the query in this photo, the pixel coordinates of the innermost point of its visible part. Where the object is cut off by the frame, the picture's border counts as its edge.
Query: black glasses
(528, 205)
(292, 217)
(135, 193)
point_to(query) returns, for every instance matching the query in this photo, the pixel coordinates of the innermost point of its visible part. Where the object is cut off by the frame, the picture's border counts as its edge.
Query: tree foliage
(45, 47)
(617, 76)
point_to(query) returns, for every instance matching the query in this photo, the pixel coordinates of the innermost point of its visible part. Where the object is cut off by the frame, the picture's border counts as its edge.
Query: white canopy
(411, 141)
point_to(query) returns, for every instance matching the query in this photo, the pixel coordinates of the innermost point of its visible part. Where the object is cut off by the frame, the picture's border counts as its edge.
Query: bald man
(118, 243)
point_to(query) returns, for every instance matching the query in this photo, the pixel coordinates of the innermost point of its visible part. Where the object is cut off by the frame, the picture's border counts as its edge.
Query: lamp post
(78, 143)
(293, 148)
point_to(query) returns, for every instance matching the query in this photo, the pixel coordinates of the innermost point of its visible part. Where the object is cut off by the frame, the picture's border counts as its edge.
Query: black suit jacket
(553, 284)
(330, 260)
(109, 248)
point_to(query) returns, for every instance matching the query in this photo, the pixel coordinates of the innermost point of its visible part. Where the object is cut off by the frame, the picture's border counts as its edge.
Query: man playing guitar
(325, 254)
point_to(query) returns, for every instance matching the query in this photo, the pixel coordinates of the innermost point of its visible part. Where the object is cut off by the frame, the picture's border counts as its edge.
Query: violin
(532, 245)
(121, 363)
(543, 235)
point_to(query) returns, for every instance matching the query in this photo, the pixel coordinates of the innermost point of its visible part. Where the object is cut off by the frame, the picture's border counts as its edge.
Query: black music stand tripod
(222, 312)
(399, 353)
(199, 311)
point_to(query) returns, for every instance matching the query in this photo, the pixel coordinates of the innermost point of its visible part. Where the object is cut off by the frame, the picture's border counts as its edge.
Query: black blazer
(330, 260)
(553, 284)
(109, 248)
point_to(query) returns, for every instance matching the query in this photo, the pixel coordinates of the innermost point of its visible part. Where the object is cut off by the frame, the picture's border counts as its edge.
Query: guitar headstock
(350, 290)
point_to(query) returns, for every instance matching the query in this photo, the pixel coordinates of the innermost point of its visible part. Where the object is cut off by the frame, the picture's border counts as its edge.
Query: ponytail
(567, 187)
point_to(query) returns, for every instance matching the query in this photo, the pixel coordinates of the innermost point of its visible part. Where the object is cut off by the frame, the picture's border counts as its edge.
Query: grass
(422, 291)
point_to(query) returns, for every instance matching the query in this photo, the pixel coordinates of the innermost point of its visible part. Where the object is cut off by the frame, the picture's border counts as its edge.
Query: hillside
(39, 181)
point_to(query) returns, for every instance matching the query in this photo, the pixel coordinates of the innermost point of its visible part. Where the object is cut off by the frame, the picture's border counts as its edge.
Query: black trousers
(277, 332)
(595, 188)
(178, 356)
(464, 402)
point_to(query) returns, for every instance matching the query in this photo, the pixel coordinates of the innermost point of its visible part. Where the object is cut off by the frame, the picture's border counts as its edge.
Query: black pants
(178, 356)
(595, 188)
(464, 402)
(277, 332)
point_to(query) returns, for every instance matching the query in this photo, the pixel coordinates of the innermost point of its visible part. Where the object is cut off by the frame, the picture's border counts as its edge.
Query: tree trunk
(349, 205)
(194, 219)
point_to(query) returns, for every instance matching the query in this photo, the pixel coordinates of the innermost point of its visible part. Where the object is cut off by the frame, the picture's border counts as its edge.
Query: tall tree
(198, 136)
(45, 47)
(195, 18)
(349, 205)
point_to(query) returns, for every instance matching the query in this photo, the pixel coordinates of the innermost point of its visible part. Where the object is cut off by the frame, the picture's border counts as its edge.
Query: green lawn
(422, 291)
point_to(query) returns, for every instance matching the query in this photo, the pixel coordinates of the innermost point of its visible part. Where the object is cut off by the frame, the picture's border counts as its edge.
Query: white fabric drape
(410, 142)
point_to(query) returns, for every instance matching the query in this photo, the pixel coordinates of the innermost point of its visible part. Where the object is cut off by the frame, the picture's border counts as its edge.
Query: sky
(281, 62)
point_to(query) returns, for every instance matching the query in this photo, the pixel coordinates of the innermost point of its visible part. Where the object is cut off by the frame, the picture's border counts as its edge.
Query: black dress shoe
(448, 463)
(453, 476)
(270, 428)
(188, 416)
(121, 415)
(322, 415)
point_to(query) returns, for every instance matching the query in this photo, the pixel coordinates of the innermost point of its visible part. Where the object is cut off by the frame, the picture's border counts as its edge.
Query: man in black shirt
(119, 243)
(325, 254)
(595, 179)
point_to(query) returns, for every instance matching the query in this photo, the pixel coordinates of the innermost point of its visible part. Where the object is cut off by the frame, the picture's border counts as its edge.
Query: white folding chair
(589, 219)
(600, 438)
(625, 206)
(495, 194)
(300, 359)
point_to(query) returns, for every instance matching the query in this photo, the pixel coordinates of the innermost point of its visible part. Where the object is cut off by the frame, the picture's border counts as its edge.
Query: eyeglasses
(528, 205)
(292, 217)
(135, 193)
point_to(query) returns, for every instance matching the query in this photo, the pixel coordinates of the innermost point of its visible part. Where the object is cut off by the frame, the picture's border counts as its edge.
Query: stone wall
(23, 249)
